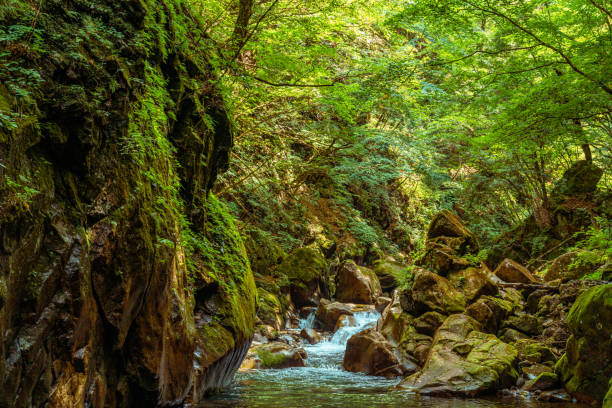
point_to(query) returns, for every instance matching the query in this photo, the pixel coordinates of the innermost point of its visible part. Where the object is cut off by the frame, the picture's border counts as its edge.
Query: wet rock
(586, 366)
(446, 224)
(431, 292)
(532, 371)
(464, 361)
(356, 284)
(310, 335)
(369, 352)
(429, 322)
(327, 314)
(279, 355)
(270, 310)
(345, 321)
(473, 282)
(559, 395)
(381, 303)
(544, 381)
(304, 268)
(511, 271)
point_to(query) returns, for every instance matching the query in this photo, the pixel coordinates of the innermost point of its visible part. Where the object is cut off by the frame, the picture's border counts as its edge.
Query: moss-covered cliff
(121, 284)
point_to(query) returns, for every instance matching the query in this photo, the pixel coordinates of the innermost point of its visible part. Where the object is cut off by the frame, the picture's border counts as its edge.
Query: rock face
(113, 259)
(369, 352)
(356, 284)
(566, 268)
(464, 361)
(586, 366)
(388, 273)
(304, 268)
(511, 271)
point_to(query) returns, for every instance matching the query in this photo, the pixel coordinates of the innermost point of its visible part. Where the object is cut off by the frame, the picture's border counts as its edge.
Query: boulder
(446, 224)
(431, 292)
(581, 178)
(473, 282)
(464, 361)
(390, 273)
(396, 326)
(278, 355)
(442, 259)
(586, 366)
(310, 335)
(511, 335)
(525, 323)
(559, 395)
(356, 284)
(304, 268)
(544, 381)
(532, 351)
(369, 352)
(429, 322)
(381, 303)
(572, 265)
(490, 312)
(327, 314)
(345, 321)
(269, 309)
(511, 271)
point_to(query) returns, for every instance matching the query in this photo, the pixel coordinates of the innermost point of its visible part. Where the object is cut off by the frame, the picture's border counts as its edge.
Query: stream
(323, 383)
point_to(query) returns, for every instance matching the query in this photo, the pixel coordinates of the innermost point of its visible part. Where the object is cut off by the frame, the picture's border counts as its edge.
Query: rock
(369, 352)
(534, 352)
(270, 310)
(250, 363)
(396, 326)
(431, 292)
(279, 355)
(304, 268)
(544, 381)
(381, 303)
(442, 259)
(310, 335)
(533, 370)
(512, 336)
(555, 396)
(447, 224)
(524, 323)
(572, 265)
(345, 321)
(428, 323)
(356, 284)
(586, 366)
(581, 178)
(513, 272)
(464, 362)
(473, 282)
(490, 312)
(327, 315)
(390, 273)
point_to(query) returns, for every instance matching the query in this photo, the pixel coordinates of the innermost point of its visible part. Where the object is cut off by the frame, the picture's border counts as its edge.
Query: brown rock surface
(356, 284)
(511, 271)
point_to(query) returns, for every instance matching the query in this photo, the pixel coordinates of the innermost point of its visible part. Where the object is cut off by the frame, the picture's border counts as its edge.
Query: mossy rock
(581, 178)
(304, 269)
(446, 224)
(586, 366)
(607, 402)
(391, 274)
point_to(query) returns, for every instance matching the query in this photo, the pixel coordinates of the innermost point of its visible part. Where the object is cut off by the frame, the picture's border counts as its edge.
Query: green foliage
(595, 248)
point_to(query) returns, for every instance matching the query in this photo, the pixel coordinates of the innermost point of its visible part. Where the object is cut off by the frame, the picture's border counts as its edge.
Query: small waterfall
(308, 322)
(362, 321)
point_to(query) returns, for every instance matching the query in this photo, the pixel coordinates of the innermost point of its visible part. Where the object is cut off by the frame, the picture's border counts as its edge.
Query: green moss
(303, 264)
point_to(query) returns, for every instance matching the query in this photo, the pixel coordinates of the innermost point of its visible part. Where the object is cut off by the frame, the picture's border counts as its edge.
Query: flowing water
(324, 384)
